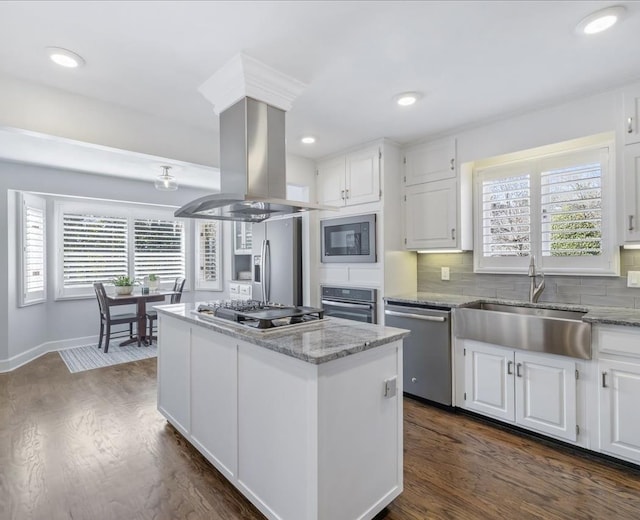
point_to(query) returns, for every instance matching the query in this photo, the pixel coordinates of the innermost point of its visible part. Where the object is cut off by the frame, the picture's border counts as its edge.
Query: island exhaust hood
(253, 184)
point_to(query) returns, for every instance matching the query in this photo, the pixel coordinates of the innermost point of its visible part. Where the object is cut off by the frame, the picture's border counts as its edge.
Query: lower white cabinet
(535, 391)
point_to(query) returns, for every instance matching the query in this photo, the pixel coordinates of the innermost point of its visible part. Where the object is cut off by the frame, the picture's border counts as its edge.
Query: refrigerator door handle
(263, 261)
(267, 269)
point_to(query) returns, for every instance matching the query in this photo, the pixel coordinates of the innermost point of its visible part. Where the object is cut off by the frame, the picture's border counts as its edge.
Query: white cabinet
(632, 114)
(430, 162)
(619, 391)
(535, 391)
(351, 179)
(242, 238)
(431, 219)
(632, 192)
(437, 198)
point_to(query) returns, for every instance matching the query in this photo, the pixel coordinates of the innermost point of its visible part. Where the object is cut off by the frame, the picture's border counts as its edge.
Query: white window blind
(33, 280)
(506, 216)
(208, 257)
(159, 249)
(557, 206)
(572, 211)
(94, 248)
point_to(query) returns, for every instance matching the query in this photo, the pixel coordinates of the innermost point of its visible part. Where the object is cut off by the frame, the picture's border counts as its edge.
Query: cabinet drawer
(621, 341)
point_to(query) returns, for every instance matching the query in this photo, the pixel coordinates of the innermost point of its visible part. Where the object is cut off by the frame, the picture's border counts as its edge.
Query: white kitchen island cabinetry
(305, 431)
(619, 390)
(532, 390)
(350, 179)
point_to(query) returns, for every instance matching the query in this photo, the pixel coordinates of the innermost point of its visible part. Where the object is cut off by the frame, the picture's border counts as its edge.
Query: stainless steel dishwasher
(427, 350)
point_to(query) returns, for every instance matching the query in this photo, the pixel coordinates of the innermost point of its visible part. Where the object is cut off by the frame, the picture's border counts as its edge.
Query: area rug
(89, 357)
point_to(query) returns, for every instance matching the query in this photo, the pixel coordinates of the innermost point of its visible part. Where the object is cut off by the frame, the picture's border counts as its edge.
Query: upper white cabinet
(535, 391)
(350, 179)
(437, 198)
(242, 238)
(632, 114)
(430, 162)
(632, 192)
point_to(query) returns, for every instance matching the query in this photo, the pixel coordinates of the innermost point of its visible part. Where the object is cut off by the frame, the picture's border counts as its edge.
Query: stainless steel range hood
(253, 185)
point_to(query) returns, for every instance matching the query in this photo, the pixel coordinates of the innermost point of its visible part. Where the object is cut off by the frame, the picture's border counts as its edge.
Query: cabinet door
(430, 162)
(546, 394)
(430, 215)
(362, 182)
(488, 379)
(619, 418)
(242, 238)
(214, 397)
(331, 189)
(632, 192)
(173, 371)
(632, 115)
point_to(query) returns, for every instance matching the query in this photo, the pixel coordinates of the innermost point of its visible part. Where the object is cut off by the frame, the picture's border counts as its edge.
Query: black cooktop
(260, 315)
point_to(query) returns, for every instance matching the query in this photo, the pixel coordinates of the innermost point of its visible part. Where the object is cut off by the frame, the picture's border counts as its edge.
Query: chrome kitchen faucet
(534, 291)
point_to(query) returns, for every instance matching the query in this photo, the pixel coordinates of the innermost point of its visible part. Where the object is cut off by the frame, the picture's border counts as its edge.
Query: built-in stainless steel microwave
(349, 239)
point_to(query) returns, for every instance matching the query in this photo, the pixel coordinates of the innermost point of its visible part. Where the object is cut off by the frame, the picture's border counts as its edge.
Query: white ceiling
(473, 60)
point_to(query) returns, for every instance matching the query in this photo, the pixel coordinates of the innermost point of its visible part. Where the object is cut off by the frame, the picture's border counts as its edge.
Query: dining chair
(107, 319)
(152, 315)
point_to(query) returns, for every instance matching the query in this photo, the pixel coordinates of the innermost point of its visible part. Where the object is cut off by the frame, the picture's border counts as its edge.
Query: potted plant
(124, 284)
(154, 282)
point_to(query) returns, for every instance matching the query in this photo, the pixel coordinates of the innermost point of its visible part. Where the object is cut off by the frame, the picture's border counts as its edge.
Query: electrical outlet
(633, 279)
(444, 273)
(390, 387)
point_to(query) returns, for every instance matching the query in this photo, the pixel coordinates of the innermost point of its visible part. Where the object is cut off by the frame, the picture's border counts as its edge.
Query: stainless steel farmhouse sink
(537, 329)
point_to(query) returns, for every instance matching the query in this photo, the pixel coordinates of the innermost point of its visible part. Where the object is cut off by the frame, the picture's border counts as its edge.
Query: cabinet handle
(452, 164)
(342, 194)
(630, 222)
(509, 365)
(413, 380)
(518, 367)
(630, 125)
(347, 194)
(604, 380)
(453, 233)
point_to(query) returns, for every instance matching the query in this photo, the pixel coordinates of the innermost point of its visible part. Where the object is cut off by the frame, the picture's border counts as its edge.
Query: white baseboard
(7, 365)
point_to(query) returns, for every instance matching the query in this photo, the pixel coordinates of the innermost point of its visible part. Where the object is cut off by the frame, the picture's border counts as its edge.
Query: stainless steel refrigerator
(277, 261)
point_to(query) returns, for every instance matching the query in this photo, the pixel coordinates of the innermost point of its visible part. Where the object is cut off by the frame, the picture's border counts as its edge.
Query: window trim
(607, 264)
(131, 212)
(26, 200)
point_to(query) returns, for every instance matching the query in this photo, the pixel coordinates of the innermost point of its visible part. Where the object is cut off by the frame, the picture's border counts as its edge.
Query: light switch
(444, 273)
(390, 389)
(633, 279)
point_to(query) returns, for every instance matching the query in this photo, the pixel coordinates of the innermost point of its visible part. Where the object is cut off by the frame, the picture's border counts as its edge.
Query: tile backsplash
(608, 291)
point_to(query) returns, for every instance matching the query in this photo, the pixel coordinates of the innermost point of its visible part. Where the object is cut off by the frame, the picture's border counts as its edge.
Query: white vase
(124, 289)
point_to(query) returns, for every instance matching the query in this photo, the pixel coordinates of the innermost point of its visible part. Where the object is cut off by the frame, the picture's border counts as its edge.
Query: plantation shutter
(159, 248)
(208, 244)
(571, 201)
(506, 216)
(33, 249)
(94, 248)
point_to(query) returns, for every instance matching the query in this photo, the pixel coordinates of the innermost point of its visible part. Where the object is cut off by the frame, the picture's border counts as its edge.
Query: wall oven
(349, 239)
(350, 303)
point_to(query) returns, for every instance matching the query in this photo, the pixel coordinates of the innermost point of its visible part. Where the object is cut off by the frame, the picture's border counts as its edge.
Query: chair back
(101, 294)
(177, 287)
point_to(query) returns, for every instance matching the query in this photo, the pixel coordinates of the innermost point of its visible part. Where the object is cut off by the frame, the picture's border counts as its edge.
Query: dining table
(139, 299)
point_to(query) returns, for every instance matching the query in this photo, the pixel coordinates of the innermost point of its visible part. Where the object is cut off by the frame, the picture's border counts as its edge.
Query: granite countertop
(604, 315)
(314, 342)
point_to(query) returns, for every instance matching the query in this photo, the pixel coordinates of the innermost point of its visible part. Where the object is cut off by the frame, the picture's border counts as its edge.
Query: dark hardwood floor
(92, 446)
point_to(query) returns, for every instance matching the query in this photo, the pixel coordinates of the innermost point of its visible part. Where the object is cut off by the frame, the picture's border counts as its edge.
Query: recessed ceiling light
(407, 98)
(65, 58)
(308, 139)
(600, 20)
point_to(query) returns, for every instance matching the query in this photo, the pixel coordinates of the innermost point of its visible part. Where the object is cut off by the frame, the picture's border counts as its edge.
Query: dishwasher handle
(416, 316)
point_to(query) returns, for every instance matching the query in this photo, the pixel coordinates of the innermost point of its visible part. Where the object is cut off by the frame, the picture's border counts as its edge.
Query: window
(98, 242)
(558, 207)
(208, 257)
(32, 246)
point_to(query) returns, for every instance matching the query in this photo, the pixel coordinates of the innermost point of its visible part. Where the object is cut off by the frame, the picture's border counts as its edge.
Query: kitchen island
(306, 421)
